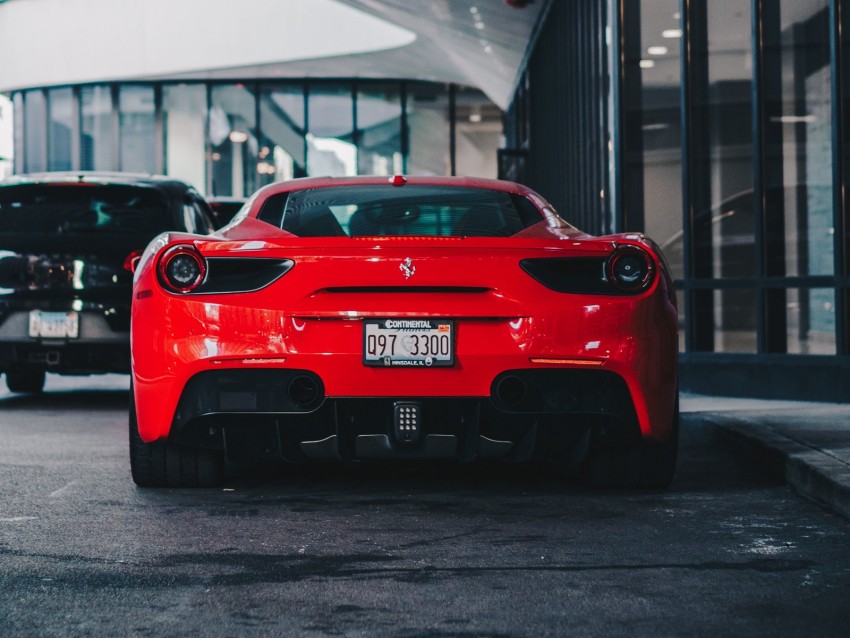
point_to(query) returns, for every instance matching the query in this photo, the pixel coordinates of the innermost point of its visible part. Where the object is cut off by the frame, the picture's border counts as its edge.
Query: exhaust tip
(304, 390)
(511, 390)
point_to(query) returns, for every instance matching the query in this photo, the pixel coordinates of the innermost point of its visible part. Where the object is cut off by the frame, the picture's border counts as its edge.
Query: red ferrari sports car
(406, 318)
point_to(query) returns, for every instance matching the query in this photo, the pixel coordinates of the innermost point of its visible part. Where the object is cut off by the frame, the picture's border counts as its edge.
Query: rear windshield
(368, 211)
(69, 209)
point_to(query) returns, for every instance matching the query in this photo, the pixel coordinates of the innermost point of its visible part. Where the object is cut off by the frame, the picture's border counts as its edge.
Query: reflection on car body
(367, 319)
(67, 244)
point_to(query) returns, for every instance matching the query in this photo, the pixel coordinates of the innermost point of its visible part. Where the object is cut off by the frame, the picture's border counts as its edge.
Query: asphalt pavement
(805, 444)
(401, 552)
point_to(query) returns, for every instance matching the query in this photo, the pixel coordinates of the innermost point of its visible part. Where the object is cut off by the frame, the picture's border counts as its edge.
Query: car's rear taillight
(630, 269)
(133, 260)
(181, 269)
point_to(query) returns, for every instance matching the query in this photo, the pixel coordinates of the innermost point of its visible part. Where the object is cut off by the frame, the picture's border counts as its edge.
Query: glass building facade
(721, 129)
(230, 138)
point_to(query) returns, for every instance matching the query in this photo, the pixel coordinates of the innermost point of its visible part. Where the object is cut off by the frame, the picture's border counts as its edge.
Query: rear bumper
(285, 415)
(66, 358)
(99, 346)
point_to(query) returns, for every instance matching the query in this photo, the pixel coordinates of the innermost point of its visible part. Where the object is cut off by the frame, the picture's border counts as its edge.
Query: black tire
(29, 381)
(164, 464)
(648, 465)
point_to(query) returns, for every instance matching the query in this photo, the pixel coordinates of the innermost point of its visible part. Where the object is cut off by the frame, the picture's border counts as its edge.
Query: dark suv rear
(67, 246)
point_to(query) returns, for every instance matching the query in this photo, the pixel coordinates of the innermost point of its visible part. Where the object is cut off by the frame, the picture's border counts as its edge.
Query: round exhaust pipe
(304, 390)
(511, 390)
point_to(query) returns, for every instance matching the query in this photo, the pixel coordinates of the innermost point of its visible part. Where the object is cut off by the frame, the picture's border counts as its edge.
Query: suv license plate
(408, 343)
(54, 325)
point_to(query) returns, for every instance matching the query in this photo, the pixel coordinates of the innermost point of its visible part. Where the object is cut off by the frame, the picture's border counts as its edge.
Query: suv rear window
(69, 209)
(412, 210)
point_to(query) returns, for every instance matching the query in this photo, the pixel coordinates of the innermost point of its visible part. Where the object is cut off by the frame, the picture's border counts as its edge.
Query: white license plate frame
(54, 325)
(408, 343)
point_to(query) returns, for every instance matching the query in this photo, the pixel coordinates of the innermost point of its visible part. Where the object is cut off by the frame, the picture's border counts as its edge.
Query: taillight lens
(181, 269)
(630, 269)
(133, 260)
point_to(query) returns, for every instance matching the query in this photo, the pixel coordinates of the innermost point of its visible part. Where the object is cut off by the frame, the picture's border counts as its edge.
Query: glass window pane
(35, 118)
(137, 127)
(478, 134)
(811, 321)
(799, 138)
(379, 131)
(428, 130)
(97, 150)
(7, 144)
(735, 320)
(18, 134)
(722, 184)
(68, 212)
(330, 141)
(184, 123)
(233, 141)
(282, 153)
(60, 129)
(651, 190)
(384, 210)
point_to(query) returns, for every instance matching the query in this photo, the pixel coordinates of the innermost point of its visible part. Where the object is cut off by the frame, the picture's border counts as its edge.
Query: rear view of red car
(369, 319)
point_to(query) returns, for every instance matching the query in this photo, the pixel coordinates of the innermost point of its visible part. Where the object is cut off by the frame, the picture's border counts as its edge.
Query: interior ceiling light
(238, 137)
(646, 64)
(671, 34)
(657, 50)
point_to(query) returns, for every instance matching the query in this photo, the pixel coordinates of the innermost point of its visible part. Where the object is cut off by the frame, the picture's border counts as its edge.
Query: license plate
(54, 325)
(408, 343)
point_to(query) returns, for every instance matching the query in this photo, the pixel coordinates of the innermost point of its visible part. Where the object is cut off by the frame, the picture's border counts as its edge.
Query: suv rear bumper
(66, 358)
(97, 349)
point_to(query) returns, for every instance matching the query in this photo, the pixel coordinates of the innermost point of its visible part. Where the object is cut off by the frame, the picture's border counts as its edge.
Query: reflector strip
(408, 237)
(250, 361)
(569, 362)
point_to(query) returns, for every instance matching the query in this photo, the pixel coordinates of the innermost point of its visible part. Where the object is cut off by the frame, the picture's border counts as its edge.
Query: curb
(809, 471)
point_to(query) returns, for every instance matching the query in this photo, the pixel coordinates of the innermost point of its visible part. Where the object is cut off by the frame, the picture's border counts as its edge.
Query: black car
(68, 246)
(224, 208)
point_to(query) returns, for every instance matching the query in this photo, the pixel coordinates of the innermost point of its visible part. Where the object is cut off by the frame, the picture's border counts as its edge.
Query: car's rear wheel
(649, 465)
(165, 464)
(29, 381)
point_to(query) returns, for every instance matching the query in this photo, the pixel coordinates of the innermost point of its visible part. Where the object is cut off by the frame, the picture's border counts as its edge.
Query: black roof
(97, 177)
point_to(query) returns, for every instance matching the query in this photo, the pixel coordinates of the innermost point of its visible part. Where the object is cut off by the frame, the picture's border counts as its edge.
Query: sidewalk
(804, 444)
